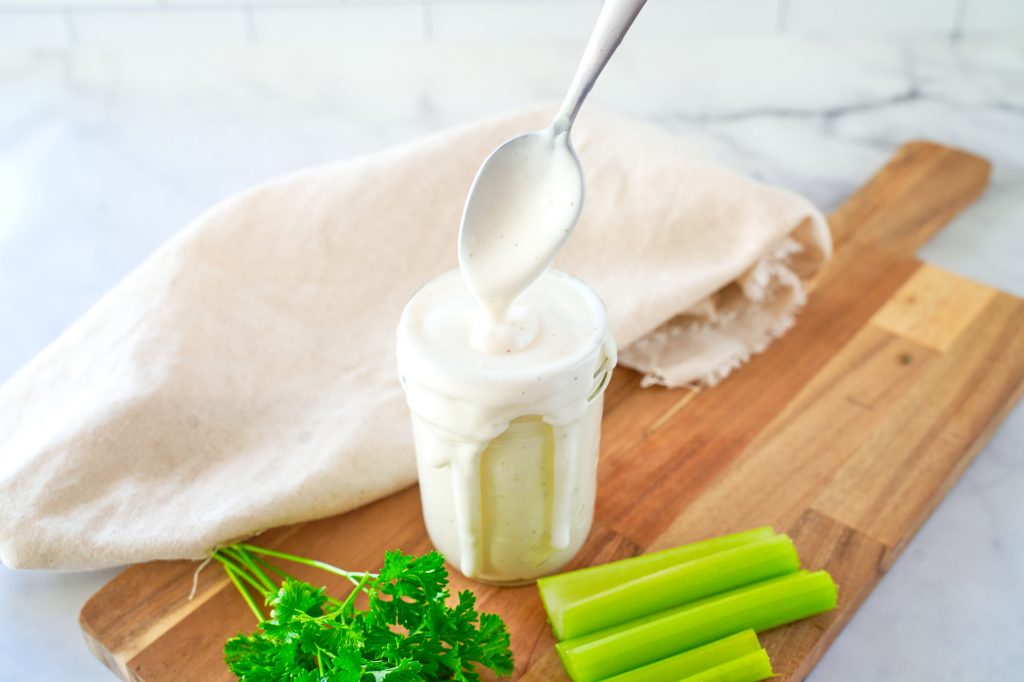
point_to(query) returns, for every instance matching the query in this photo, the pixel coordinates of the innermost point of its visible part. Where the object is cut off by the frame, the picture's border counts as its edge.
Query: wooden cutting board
(846, 434)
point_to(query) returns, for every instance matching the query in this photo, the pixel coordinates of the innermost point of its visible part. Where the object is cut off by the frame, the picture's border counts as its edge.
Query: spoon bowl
(523, 205)
(527, 196)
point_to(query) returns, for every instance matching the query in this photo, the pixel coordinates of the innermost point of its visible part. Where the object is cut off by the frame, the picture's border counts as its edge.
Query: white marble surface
(105, 153)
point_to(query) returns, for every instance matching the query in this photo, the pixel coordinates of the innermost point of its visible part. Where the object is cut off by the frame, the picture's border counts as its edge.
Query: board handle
(923, 187)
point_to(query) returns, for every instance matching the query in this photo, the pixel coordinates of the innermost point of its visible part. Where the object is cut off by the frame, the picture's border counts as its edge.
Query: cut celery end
(694, 661)
(761, 606)
(558, 590)
(752, 667)
(680, 584)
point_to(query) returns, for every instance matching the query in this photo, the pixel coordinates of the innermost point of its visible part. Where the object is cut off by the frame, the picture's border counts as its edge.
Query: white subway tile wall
(333, 22)
(993, 16)
(34, 29)
(50, 23)
(512, 19)
(876, 17)
(46, 5)
(158, 26)
(668, 18)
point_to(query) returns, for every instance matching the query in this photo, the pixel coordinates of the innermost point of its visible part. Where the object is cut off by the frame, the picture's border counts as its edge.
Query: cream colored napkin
(243, 377)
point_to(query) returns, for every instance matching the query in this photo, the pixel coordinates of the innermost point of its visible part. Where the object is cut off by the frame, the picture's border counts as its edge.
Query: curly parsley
(409, 632)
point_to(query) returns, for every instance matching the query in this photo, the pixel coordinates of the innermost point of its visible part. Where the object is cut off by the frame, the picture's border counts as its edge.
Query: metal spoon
(528, 194)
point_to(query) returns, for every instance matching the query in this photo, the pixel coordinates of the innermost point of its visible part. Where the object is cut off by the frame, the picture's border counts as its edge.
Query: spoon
(528, 194)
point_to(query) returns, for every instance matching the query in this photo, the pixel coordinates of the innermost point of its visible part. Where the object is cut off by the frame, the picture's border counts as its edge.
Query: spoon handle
(612, 23)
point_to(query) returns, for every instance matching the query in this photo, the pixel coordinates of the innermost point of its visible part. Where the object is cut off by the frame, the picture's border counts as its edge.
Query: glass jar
(517, 504)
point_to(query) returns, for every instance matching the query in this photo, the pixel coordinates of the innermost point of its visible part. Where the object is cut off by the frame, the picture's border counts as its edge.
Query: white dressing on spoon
(528, 194)
(522, 207)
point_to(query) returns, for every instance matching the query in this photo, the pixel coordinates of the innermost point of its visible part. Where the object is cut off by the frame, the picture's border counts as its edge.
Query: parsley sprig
(408, 633)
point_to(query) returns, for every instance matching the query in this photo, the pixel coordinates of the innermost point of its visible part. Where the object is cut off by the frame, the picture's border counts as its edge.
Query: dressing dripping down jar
(507, 443)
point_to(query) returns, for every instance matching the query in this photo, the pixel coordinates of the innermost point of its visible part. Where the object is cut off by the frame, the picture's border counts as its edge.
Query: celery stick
(761, 606)
(676, 585)
(753, 667)
(557, 590)
(688, 663)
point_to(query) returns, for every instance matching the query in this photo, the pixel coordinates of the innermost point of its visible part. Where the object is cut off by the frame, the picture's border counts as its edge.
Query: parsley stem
(243, 557)
(240, 573)
(355, 591)
(343, 606)
(351, 576)
(231, 571)
(263, 564)
(284, 575)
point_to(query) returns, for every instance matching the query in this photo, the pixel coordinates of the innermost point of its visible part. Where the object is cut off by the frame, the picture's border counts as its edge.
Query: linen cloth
(243, 377)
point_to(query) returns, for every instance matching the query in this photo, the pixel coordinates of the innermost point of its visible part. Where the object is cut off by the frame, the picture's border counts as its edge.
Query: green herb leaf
(409, 633)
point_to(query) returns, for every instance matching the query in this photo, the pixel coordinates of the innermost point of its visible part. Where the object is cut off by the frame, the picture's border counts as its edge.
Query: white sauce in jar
(462, 398)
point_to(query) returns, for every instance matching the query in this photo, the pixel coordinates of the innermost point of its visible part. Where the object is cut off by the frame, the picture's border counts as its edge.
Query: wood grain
(911, 198)
(846, 433)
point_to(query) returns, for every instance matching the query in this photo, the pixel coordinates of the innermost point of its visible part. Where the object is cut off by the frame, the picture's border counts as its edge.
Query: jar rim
(586, 356)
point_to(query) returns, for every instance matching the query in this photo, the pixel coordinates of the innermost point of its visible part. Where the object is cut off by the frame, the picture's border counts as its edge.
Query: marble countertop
(105, 154)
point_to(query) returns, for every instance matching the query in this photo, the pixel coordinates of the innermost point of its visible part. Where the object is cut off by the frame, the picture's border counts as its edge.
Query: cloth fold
(243, 377)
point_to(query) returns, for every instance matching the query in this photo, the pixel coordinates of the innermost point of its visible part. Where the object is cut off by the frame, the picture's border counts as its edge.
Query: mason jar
(507, 444)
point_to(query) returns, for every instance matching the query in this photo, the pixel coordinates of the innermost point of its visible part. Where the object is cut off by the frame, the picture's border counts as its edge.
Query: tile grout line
(959, 17)
(248, 16)
(70, 30)
(781, 17)
(428, 21)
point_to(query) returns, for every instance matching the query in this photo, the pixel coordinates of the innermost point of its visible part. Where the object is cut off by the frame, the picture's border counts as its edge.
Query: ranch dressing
(521, 209)
(506, 442)
(504, 364)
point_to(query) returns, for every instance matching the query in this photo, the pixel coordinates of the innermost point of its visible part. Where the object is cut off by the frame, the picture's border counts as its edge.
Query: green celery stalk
(750, 668)
(558, 590)
(676, 585)
(761, 606)
(694, 661)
